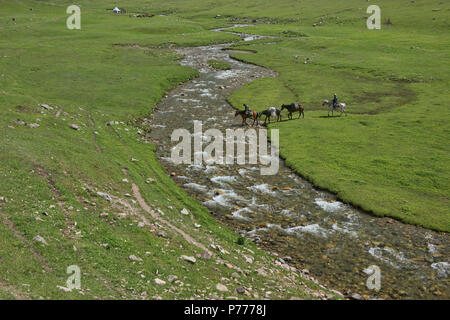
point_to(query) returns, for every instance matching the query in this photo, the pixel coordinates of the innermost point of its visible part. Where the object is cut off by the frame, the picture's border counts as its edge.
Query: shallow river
(285, 214)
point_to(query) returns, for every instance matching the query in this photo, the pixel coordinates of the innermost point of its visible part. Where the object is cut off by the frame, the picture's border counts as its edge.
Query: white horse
(340, 106)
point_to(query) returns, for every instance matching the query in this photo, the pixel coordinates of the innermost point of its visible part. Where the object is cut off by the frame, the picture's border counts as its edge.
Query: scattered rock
(188, 258)
(240, 290)
(104, 214)
(64, 289)
(19, 122)
(134, 258)
(356, 296)
(46, 107)
(205, 255)
(34, 125)
(261, 272)
(105, 195)
(160, 282)
(221, 287)
(134, 160)
(185, 211)
(40, 239)
(74, 126)
(172, 278)
(161, 234)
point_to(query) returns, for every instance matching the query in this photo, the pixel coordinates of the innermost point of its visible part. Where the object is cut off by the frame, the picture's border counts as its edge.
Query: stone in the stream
(38, 238)
(74, 126)
(188, 258)
(356, 296)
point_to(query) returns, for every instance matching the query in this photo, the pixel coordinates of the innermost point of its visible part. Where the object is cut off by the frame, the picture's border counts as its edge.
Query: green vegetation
(219, 65)
(389, 156)
(105, 79)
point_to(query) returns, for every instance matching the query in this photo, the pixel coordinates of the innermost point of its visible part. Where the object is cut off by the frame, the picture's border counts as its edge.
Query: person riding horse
(248, 112)
(335, 101)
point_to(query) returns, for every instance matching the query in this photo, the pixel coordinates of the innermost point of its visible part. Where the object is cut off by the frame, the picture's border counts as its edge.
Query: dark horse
(293, 107)
(247, 113)
(270, 112)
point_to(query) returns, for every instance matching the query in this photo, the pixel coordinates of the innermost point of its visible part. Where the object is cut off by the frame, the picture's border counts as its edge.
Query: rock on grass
(188, 258)
(221, 287)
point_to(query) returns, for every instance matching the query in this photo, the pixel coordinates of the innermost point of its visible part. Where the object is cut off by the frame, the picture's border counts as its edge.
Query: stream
(283, 213)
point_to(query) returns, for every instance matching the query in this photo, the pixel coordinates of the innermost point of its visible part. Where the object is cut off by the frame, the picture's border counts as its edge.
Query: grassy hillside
(79, 185)
(390, 155)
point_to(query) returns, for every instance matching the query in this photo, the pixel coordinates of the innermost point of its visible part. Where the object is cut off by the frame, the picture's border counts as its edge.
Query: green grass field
(389, 155)
(105, 79)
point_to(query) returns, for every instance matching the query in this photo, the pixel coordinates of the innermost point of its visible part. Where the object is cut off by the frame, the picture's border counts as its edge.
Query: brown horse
(247, 113)
(294, 107)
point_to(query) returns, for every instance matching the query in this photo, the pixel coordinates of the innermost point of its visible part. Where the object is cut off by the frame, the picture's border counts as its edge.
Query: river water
(285, 214)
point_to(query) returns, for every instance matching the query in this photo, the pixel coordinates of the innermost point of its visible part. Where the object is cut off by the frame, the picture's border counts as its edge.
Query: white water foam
(328, 206)
(237, 213)
(442, 268)
(262, 188)
(314, 229)
(196, 186)
(223, 199)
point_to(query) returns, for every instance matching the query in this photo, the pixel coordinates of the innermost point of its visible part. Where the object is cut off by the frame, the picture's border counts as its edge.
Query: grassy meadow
(390, 155)
(101, 83)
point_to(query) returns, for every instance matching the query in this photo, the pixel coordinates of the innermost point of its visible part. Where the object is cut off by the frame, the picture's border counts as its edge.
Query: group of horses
(248, 113)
